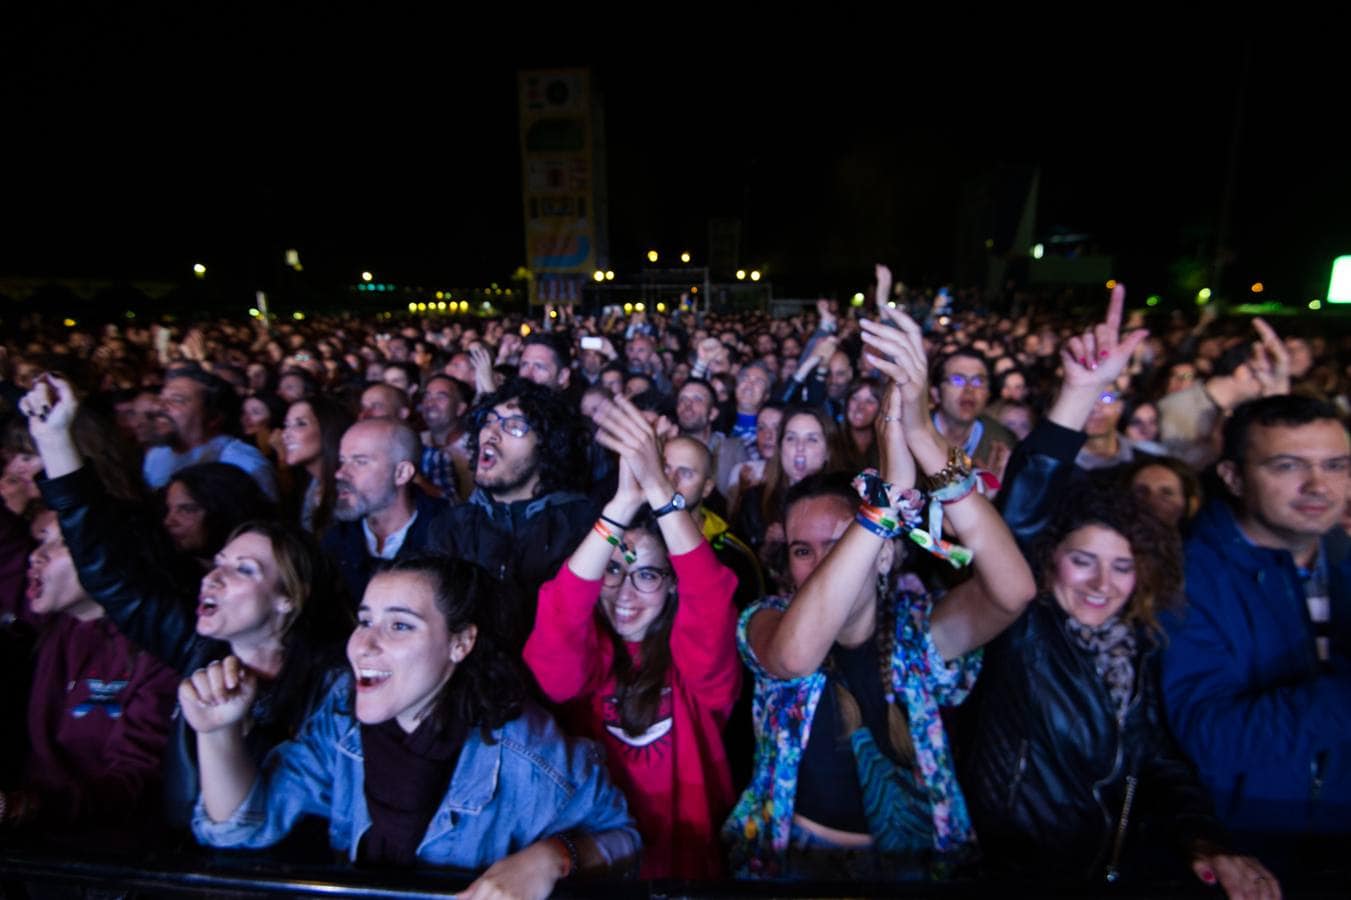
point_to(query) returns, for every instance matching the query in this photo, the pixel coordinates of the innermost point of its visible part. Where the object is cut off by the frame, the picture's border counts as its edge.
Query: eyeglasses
(975, 382)
(646, 579)
(516, 426)
(1184, 376)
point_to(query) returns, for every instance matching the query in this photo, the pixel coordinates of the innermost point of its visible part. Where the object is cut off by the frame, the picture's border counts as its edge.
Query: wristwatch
(677, 502)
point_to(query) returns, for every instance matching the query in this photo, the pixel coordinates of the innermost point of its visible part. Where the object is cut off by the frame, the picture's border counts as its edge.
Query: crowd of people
(907, 591)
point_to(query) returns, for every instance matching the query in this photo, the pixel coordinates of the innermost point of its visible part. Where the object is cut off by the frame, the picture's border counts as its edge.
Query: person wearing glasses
(1107, 448)
(525, 515)
(961, 391)
(636, 638)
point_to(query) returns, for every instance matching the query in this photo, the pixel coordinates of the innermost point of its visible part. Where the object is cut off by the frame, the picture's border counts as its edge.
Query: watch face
(678, 501)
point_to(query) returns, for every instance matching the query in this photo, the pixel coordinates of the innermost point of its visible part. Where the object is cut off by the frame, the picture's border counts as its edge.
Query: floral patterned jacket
(757, 831)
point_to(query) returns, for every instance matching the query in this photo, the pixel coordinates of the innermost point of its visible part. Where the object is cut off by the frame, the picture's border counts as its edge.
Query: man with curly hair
(526, 514)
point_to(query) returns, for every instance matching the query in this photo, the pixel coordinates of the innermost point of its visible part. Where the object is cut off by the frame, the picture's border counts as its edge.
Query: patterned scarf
(1112, 645)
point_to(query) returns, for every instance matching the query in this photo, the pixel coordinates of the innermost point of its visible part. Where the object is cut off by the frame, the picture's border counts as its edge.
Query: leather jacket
(1055, 783)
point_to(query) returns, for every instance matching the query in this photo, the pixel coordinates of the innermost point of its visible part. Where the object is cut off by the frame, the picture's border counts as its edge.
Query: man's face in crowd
(461, 367)
(613, 382)
(291, 388)
(686, 463)
(1180, 377)
(396, 377)
(752, 389)
(366, 479)
(383, 401)
(398, 350)
(507, 466)
(540, 365)
(1294, 481)
(838, 376)
(441, 405)
(962, 402)
(694, 408)
(182, 412)
(639, 352)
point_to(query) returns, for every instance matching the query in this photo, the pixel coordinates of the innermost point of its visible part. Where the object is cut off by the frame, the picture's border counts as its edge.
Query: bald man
(380, 514)
(383, 401)
(689, 467)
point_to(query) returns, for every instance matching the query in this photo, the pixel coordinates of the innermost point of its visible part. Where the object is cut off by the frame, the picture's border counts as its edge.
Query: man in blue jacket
(1257, 669)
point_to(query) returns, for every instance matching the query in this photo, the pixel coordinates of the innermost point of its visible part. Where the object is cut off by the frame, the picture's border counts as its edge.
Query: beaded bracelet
(613, 540)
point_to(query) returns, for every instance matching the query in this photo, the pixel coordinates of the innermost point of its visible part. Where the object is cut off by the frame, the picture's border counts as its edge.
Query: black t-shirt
(828, 789)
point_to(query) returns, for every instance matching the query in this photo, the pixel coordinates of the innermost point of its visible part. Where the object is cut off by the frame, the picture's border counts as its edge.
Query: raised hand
(824, 309)
(1096, 357)
(1092, 362)
(883, 277)
(218, 696)
(623, 429)
(1270, 360)
(50, 407)
(899, 354)
(895, 461)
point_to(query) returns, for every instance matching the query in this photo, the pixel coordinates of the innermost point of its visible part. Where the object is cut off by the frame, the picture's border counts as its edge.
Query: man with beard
(198, 414)
(696, 408)
(524, 517)
(379, 513)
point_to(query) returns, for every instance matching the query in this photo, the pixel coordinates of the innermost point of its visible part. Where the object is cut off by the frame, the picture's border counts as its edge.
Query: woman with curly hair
(1071, 772)
(425, 751)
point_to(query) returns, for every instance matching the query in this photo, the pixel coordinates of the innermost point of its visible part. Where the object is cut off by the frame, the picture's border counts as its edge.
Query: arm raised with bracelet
(977, 610)
(838, 602)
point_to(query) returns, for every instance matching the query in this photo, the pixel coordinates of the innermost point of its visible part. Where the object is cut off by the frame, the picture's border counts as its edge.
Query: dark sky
(138, 143)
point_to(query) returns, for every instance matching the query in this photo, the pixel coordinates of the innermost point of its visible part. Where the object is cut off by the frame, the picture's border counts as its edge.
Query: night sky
(136, 144)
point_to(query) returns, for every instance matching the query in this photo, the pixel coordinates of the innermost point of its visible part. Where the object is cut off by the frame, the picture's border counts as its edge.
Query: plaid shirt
(438, 468)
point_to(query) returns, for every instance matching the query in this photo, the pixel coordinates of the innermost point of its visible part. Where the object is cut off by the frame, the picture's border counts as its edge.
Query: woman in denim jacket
(428, 753)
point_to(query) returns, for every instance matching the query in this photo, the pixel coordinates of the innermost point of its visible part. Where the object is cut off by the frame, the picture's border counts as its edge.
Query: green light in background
(1339, 286)
(1315, 304)
(1152, 301)
(1203, 296)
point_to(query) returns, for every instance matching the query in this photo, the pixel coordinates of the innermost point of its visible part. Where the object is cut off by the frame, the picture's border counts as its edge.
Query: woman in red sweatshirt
(637, 636)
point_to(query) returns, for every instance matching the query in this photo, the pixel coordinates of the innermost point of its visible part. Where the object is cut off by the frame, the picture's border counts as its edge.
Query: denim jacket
(531, 783)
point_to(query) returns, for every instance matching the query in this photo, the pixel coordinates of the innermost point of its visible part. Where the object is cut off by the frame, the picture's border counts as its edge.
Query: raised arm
(978, 609)
(838, 601)
(139, 594)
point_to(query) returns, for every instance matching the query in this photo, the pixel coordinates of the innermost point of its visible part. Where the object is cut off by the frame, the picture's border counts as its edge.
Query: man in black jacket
(524, 517)
(381, 515)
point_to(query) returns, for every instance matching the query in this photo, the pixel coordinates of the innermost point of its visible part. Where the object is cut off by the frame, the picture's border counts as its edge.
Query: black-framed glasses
(975, 382)
(646, 579)
(516, 426)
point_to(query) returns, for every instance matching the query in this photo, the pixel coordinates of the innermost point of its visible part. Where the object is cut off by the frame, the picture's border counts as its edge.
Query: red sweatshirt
(98, 722)
(676, 776)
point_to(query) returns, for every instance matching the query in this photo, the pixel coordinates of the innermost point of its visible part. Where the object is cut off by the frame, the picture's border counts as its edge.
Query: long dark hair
(487, 689)
(638, 689)
(772, 501)
(333, 419)
(227, 495)
(838, 486)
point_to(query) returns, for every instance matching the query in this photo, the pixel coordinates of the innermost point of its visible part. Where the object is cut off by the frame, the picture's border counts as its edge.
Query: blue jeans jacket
(531, 783)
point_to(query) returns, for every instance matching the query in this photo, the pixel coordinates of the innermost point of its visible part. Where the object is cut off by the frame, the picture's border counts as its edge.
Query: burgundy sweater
(98, 722)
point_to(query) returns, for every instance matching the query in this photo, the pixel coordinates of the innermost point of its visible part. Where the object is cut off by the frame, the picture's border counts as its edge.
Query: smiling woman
(431, 721)
(635, 636)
